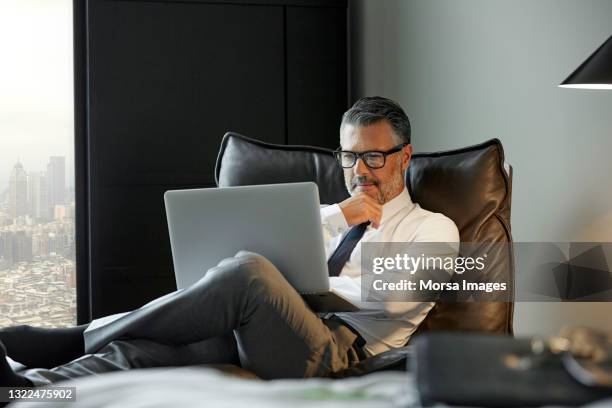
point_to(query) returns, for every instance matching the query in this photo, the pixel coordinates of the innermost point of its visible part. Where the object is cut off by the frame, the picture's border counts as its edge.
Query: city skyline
(37, 85)
(34, 198)
(37, 247)
(36, 193)
(40, 166)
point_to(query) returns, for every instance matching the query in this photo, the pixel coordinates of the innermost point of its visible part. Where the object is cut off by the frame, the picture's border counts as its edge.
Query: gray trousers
(243, 311)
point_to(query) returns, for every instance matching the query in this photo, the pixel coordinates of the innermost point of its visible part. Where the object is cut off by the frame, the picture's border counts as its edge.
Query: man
(243, 311)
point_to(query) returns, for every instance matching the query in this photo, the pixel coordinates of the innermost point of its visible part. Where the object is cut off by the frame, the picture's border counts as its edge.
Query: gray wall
(470, 70)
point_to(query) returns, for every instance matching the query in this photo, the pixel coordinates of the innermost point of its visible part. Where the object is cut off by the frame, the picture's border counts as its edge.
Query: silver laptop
(279, 221)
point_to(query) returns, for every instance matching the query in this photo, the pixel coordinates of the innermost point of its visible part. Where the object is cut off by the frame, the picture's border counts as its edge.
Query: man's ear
(407, 150)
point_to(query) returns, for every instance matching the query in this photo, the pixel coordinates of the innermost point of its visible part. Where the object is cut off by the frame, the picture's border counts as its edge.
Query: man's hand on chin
(361, 208)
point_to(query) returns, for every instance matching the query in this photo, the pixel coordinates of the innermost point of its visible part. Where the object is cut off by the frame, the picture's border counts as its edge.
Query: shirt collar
(390, 208)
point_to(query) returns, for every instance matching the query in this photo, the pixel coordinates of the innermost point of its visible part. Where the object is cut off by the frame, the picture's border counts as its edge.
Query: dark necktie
(341, 255)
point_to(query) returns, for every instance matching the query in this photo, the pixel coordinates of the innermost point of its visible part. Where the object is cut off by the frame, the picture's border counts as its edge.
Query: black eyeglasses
(374, 159)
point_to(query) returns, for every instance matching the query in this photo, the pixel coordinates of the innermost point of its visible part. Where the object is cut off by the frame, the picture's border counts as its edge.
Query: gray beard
(388, 191)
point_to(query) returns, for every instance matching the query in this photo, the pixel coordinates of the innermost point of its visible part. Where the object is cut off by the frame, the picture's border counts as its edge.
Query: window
(37, 211)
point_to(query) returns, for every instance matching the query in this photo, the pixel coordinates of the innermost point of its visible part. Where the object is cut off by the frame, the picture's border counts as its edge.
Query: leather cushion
(245, 161)
(470, 186)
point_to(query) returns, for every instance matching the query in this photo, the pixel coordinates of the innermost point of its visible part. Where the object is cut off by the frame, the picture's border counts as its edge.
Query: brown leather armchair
(472, 186)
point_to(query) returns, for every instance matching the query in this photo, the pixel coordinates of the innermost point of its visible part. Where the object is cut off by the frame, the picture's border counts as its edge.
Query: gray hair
(372, 109)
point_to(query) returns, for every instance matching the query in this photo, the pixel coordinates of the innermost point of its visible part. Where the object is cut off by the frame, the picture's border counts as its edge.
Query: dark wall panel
(167, 81)
(316, 74)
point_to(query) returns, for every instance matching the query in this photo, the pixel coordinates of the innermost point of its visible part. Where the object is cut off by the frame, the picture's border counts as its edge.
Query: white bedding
(206, 387)
(199, 387)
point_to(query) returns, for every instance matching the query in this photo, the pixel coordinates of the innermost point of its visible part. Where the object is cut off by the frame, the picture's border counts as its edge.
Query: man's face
(381, 184)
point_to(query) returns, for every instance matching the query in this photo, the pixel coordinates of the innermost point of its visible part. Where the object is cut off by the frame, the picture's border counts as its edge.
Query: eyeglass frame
(359, 155)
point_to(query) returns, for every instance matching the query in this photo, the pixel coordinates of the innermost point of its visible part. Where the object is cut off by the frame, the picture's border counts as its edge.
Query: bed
(203, 386)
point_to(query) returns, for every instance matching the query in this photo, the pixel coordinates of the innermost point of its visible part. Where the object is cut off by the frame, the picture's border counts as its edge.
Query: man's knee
(245, 267)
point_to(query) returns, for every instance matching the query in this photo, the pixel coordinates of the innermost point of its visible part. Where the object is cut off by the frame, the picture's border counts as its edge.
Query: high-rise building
(70, 211)
(4, 198)
(38, 195)
(5, 245)
(40, 244)
(16, 246)
(70, 275)
(56, 182)
(54, 244)
(22, 246)
(18, 191)
(5, 219)
(59, 212)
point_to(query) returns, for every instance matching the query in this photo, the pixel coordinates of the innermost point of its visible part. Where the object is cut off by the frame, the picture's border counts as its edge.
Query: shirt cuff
(332, 216)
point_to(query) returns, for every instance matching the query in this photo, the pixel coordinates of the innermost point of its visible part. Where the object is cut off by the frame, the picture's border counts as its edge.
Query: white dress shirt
(384, 325)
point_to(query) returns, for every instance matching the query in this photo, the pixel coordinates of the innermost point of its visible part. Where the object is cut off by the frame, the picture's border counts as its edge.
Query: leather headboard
(470, 185)
(473, 187)
(245, 161)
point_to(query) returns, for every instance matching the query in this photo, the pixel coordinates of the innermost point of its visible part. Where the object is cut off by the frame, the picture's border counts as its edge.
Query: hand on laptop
(361, 208)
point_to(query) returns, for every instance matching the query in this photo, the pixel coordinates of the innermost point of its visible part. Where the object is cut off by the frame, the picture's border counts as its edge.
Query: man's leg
(8, 378)
(120, 355)
(277, 334)
(37, 347)
(43, 347)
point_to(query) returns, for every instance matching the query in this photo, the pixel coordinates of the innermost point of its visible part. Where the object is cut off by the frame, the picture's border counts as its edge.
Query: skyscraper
(56, 182)
(21, 246)
(5, 247)
(38, 195)
(18, 191)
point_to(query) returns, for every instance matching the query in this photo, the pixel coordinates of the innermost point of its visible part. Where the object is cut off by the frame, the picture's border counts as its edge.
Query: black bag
(495, 371)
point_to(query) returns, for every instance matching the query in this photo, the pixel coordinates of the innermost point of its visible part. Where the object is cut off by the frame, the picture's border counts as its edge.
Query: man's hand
(361, 208)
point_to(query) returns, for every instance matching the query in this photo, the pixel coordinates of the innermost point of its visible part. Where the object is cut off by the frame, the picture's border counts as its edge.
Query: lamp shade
(595, 72)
